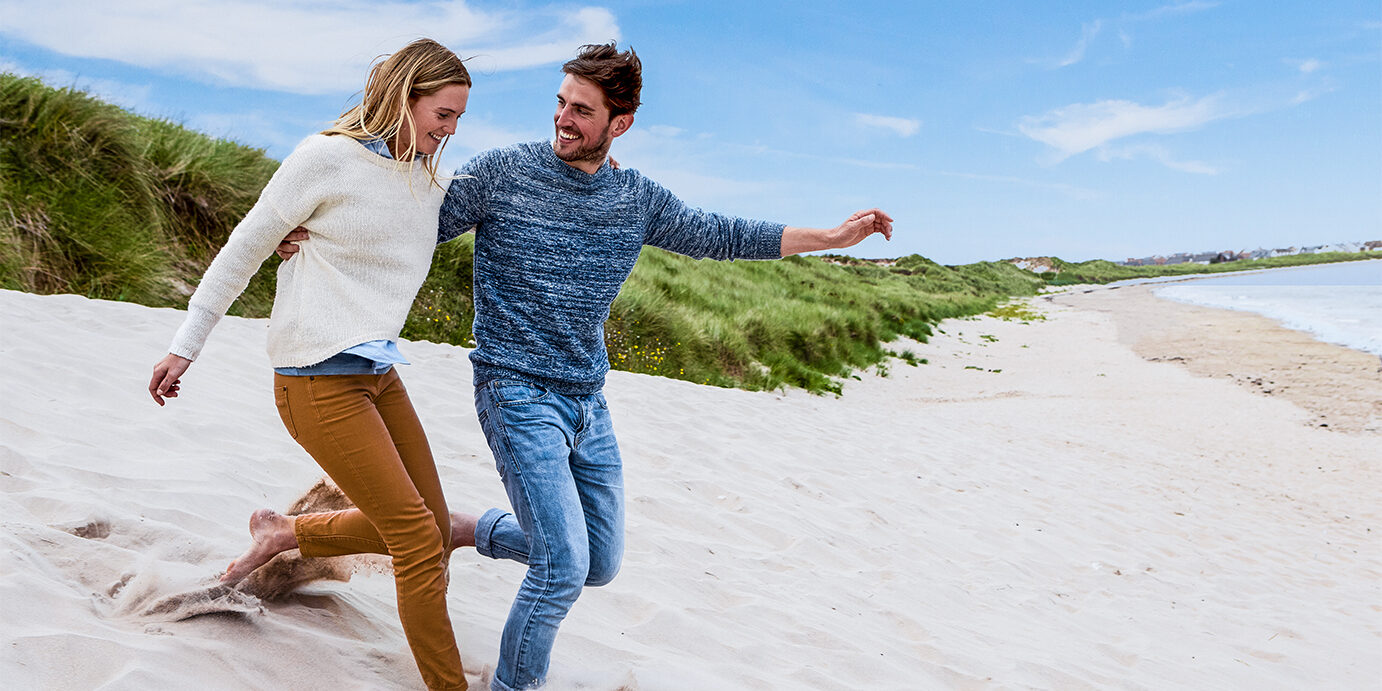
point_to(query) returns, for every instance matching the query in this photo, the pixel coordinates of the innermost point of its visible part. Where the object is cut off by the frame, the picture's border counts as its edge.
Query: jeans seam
(539, 535)
(343, 536)
(502, 430)
(547, 585)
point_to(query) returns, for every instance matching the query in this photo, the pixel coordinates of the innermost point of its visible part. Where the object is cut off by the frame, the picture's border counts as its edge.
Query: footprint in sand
(217, 599)
(95, 529)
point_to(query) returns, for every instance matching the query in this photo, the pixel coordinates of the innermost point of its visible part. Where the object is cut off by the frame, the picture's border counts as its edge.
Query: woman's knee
(421, 543)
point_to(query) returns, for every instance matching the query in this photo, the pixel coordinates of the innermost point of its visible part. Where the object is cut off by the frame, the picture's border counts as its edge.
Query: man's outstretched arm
(858, 226)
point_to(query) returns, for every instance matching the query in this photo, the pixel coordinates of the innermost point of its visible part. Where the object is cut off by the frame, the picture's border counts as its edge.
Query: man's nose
(563, 115)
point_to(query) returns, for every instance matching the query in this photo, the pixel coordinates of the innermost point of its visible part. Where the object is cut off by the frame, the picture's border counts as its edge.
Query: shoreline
(1157, 280)
(1340, 387)
(1037, 488)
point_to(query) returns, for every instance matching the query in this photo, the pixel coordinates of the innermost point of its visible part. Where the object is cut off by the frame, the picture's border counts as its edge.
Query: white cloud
(1312, 93)
(1090, 30)
(1080, 127)
(1308, 66)
(297, 45)
(1087, 34)
(904, 127)
(1158, 154)
(665, 130)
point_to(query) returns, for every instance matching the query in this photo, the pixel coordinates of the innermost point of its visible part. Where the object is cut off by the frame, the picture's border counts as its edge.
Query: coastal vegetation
(1102, 271)
(104, 203)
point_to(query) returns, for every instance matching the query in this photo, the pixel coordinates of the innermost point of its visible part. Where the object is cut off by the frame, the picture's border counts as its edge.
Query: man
(557, 231)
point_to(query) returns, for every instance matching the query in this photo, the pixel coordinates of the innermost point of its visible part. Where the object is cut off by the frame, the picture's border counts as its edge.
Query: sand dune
(1037, 507)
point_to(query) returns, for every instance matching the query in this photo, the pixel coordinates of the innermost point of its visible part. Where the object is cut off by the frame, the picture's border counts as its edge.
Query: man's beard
(591, 152)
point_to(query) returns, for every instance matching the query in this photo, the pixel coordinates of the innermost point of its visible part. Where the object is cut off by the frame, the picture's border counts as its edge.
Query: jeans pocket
(513, 393)
(285, 413)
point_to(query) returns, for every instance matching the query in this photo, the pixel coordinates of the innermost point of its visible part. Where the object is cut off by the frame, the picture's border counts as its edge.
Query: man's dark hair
(618, 74)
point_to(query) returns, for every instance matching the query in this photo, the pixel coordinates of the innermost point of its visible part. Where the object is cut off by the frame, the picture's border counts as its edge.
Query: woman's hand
(166, 377)
(289, 247)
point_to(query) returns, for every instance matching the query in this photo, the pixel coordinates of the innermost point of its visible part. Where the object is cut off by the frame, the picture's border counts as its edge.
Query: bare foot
(463, 529)
(271, 533)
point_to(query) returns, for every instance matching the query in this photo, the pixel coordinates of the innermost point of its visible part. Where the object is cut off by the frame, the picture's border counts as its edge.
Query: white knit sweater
(354, 279)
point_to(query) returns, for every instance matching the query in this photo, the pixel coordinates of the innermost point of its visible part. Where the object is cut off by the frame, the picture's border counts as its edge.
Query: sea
(1337, 303)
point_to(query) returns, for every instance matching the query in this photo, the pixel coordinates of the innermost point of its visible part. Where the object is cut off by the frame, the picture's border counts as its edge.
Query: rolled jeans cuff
(484, 530)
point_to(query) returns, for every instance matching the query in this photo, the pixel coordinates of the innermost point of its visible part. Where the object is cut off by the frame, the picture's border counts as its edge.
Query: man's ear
(621, 124)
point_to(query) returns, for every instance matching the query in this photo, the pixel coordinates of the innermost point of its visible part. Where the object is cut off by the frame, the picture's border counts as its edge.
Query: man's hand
(288, 247)
(858, 226)
(166, 379)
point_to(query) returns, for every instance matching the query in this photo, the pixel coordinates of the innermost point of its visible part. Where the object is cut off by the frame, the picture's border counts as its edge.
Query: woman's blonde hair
(421, 68)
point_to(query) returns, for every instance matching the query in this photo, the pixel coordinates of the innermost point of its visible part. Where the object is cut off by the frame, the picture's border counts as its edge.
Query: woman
(368, 189)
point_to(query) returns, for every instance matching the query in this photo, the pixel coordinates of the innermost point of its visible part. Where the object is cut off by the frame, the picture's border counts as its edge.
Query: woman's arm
(288, 199)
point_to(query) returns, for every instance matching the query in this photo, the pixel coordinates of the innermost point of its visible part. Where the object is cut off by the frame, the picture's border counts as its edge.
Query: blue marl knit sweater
(553, 245)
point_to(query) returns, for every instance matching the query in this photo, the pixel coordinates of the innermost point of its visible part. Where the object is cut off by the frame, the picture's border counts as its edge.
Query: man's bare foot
(463, 529)
(271, 533)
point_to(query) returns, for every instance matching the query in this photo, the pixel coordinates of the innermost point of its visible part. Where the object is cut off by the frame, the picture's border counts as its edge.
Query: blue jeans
(559, 462)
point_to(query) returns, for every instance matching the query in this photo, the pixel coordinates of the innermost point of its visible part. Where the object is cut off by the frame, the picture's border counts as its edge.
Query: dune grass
(801, 321)
(98, 202)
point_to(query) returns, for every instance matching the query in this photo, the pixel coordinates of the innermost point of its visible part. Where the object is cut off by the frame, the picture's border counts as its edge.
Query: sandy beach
(1130, 494)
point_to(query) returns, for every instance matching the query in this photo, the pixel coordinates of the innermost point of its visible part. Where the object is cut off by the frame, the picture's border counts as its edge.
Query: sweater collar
(570, 172)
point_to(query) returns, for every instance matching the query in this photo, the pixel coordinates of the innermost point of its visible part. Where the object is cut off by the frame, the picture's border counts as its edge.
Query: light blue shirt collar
(377, 146)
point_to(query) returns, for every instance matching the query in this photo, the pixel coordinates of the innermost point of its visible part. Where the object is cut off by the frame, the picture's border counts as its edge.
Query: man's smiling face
(583, 123)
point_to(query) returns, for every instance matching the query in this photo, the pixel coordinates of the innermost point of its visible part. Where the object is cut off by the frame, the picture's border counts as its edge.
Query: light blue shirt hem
(370, 357)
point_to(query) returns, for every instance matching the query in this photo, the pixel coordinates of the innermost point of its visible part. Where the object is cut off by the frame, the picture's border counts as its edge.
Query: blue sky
(988, 129)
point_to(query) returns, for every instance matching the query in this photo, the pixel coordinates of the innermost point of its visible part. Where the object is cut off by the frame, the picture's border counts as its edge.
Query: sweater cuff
(191, 336)
(769, 245)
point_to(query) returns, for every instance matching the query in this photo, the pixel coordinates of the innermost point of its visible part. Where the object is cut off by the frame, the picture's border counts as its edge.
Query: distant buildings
(1259, 253)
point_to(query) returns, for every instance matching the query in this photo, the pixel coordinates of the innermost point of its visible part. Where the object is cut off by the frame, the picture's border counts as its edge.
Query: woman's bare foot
(271, 533)
(463, 529)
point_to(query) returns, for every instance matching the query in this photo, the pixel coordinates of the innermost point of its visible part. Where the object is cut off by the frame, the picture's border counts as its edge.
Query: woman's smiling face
(435, 117)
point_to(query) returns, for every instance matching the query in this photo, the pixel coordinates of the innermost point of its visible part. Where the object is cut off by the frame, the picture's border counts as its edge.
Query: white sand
(1082, 519)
